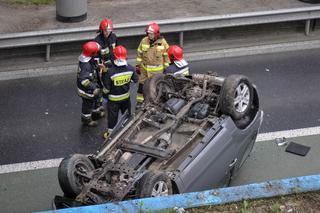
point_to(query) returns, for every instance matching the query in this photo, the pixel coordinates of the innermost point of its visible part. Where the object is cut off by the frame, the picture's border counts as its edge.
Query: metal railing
(48, 37)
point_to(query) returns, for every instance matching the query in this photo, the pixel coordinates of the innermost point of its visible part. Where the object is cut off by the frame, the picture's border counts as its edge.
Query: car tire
(70, 183)
(151, 88)
(236, 96)
(154, 184)
(243, 122)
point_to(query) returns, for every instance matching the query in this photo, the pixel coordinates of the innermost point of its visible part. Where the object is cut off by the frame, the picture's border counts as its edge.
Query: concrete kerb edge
(210, 197)
(191, 56)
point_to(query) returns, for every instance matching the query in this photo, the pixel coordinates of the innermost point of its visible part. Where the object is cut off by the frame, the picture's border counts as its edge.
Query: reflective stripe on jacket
(184, 71)
(178, 68)
(153, 68)
(119, 97)
(84, 94)
(87, 79)
(120, 79)
(117, 81)
(153, 54)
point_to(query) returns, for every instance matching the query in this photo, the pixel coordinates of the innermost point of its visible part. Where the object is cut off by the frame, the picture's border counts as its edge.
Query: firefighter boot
(102, 111)
(107, 134)
(88, 122)
(97, 114)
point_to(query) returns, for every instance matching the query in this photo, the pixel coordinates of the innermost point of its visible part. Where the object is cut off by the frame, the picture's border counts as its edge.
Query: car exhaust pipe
(211, 79)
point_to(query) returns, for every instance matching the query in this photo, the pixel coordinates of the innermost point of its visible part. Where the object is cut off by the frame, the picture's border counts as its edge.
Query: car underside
(187, 125)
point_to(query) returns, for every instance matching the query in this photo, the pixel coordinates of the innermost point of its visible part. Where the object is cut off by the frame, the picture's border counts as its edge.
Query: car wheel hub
(160, 189)
(242, 97)
(80, 168)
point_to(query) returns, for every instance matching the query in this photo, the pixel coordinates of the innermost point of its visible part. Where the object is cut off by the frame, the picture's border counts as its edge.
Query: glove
(105, 93)
(102, 67)
(138, 69)
(96, 91)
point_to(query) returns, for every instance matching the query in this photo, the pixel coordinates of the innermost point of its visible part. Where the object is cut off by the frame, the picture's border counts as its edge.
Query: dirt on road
(21, 18)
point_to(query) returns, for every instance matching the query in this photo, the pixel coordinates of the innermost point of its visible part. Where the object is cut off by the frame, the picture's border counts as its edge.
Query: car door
(210, 163)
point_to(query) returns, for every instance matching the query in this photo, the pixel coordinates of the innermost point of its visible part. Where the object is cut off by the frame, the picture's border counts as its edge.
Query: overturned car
(192, 133)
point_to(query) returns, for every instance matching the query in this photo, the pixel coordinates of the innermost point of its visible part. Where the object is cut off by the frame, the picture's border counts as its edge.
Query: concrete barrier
(210, 197)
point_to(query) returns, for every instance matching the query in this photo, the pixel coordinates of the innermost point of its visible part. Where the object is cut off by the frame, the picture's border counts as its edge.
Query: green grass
(31, 2)
(299, 202)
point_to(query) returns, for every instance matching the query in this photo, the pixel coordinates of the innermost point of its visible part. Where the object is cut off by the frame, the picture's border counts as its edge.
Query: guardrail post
(307, 27)
(181, 39)
(48, 52)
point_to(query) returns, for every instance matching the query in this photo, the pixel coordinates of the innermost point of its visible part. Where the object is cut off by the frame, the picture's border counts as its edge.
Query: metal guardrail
(48, 37)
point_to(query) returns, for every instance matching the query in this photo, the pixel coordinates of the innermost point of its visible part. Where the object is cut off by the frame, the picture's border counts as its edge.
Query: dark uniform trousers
(92, 106)
(113, 110)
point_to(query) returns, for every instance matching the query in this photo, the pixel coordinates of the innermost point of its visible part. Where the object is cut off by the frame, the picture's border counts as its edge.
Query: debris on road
(281, 141)
(297, 149)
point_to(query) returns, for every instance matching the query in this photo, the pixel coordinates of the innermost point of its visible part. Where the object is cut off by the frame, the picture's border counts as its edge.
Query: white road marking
(44, 164)
(27, 166)
(289, 133)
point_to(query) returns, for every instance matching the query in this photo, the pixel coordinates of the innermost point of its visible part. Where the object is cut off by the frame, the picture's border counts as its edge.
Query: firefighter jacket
(180, 67)
(107, 46)
(87, 79)
(152, 56)
(117, 81)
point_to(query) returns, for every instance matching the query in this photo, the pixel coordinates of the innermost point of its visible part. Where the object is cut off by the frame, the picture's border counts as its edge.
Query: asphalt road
(40, 117)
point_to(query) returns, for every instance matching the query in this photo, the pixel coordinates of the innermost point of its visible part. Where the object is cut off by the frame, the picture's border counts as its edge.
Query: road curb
(253, 50)
(191, 56)
(210, 197)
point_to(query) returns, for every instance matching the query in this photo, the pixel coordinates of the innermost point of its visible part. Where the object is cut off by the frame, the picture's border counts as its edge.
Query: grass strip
(31, 2)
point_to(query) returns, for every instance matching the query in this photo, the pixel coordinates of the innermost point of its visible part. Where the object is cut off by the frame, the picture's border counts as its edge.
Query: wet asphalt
(40, 117)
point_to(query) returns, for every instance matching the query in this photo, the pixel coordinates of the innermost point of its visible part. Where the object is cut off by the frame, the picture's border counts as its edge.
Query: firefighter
(152, 56)
(178, 65)
(107, 40)
(117, 82)
(87, 84)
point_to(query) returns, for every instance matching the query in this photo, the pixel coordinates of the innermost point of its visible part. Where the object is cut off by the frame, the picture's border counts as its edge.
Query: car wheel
(69, 174)
(243, 122)
(236, 96)
(154, 185)
(156, 87)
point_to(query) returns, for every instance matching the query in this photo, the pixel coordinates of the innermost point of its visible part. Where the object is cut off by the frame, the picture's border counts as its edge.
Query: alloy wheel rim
(242, 97)
(160, 188)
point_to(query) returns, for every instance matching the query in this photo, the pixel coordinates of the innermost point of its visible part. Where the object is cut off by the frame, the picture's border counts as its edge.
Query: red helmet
(175, 53)
(105, 24)
(91, 49)
(153, 28)
(120, 52)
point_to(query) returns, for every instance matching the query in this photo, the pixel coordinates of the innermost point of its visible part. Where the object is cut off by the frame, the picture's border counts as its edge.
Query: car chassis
(187, 125)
